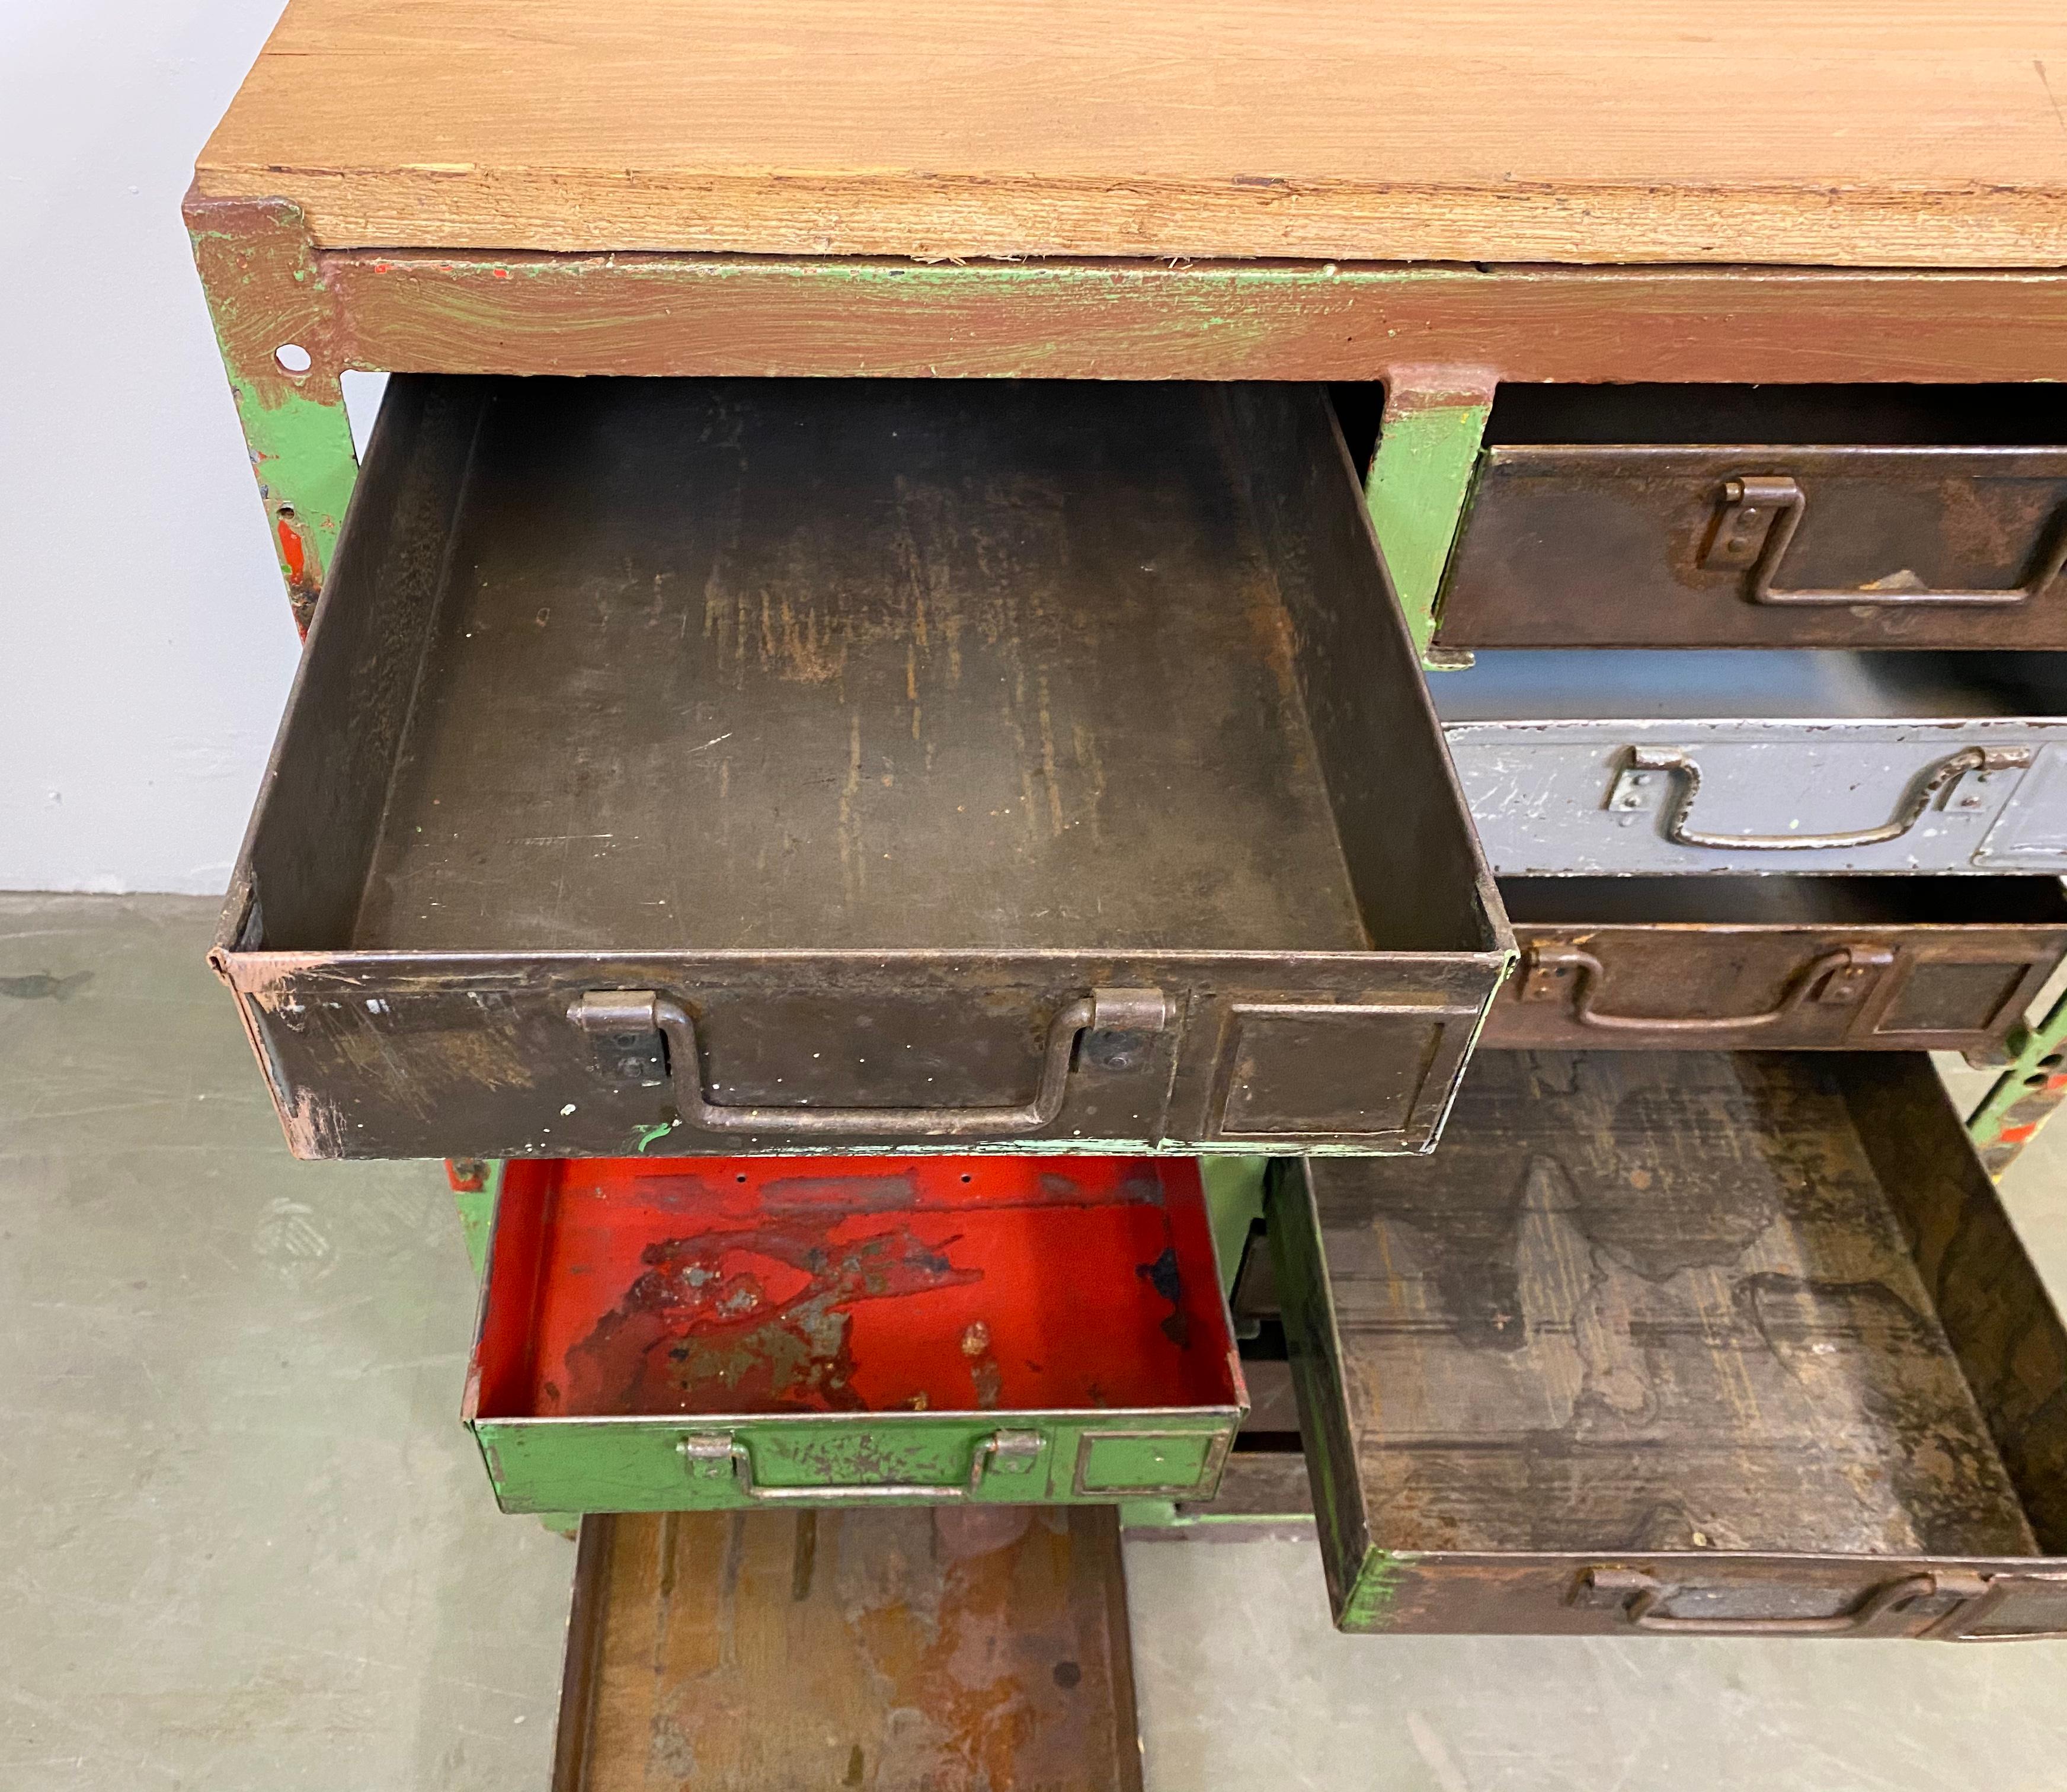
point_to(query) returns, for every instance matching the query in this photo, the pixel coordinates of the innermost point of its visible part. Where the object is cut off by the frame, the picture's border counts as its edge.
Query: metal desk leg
(1419, 483)
(2026, 1094)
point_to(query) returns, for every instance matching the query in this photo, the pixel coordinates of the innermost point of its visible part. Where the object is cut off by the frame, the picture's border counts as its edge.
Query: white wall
(145, 643)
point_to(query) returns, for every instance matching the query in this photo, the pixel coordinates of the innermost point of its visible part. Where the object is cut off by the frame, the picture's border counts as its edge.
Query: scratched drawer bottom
(696, 1334)
(1679, 1343)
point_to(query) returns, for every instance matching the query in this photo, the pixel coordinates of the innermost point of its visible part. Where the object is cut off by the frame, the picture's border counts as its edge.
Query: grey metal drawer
(1915, 964)
(1679, 1343)
(760, 765)
(1583, 762)
(1693, 516)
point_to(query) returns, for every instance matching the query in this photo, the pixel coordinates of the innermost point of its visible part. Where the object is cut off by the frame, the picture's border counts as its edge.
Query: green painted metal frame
(1439, 337)
(2026, 1094)
(1419, 489)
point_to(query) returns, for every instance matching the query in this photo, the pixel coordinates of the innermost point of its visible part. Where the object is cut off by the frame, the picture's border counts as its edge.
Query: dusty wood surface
(1854, 132)
(976, 1650)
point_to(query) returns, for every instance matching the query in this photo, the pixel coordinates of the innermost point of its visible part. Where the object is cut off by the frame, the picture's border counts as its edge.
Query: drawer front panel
(742, 1333)
(1855, 547)
(1557, 799)
(1770, 988)
(541, 1466)
(1679, 1343)
(572, 1058)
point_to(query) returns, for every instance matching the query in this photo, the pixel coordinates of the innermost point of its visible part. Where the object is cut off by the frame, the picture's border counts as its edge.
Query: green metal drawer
(697, 1333)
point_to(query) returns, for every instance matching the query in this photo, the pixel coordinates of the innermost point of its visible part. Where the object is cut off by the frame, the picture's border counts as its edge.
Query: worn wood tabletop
(1830, 132)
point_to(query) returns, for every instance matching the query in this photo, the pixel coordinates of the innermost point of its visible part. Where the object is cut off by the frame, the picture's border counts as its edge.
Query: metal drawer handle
(1757, 521)
(648, 1011)
(707, 1455)
(1641, 1595)
(1624, 796)
(1837, 977)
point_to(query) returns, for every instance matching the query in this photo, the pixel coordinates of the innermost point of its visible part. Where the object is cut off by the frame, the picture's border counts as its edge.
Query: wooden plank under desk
(887, 1649)
(1830, 132)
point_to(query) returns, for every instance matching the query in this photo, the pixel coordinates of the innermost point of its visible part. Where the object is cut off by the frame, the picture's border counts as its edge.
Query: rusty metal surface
(873, 724)
(1776, 963)
(1814, 516)
(951, 1650)
(1752, 1329)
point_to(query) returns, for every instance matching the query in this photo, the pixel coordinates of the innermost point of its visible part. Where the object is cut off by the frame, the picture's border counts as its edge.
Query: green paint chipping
(1420, 482)
(2032, 1045)
(477, 1216)
(1234, 1201)
(1371, 1597)
(301, 450)
(649, 1136)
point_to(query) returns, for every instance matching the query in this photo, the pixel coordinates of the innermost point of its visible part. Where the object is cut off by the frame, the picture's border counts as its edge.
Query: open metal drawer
(1765, 516)
(1676, 1343)
(1914, 964)
(762, 765)
(687, 1334)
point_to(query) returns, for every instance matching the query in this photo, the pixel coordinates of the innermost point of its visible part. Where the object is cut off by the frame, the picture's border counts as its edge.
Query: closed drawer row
(751, 766)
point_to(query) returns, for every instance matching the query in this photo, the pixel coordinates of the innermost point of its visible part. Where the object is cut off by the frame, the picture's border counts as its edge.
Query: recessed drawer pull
(1640, 1597)
(1012, 1453)
(1758, 518)
(634, 1011)
(1625, 797)
(1836, 977)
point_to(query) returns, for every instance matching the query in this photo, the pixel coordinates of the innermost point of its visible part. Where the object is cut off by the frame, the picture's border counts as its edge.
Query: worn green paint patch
(1234, 1202)
(2031, 1045)
(301, 451)
(1148, 1514)
(265, 295)
(1375, 1590)
(1420, 484)
(477, 1216)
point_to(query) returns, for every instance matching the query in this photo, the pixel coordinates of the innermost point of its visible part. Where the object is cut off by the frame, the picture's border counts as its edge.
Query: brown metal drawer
(742, 767)
(1689, 516)
(1679, 1343)
(1939, 964)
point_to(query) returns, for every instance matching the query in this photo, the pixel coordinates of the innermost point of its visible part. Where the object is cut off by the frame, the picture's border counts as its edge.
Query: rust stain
(755, 1319)
(1165, 1277)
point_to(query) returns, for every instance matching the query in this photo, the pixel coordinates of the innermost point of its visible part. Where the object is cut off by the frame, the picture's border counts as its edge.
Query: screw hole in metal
(293, 360)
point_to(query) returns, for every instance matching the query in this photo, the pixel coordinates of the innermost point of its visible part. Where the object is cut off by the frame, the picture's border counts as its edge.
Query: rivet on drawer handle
(1548, 971)
(721, 1454)
(1758, 520)
(1638, 1598)
(647, 1011)
(1630, 793)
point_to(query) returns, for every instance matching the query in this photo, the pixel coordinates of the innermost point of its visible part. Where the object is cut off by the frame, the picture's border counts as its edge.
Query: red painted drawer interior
(622, 1287)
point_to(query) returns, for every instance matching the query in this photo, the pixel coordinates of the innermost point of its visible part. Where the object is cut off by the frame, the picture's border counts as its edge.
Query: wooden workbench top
(1834, 132)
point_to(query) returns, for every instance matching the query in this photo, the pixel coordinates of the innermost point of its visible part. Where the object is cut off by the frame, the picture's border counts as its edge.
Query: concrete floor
(247, 1544)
